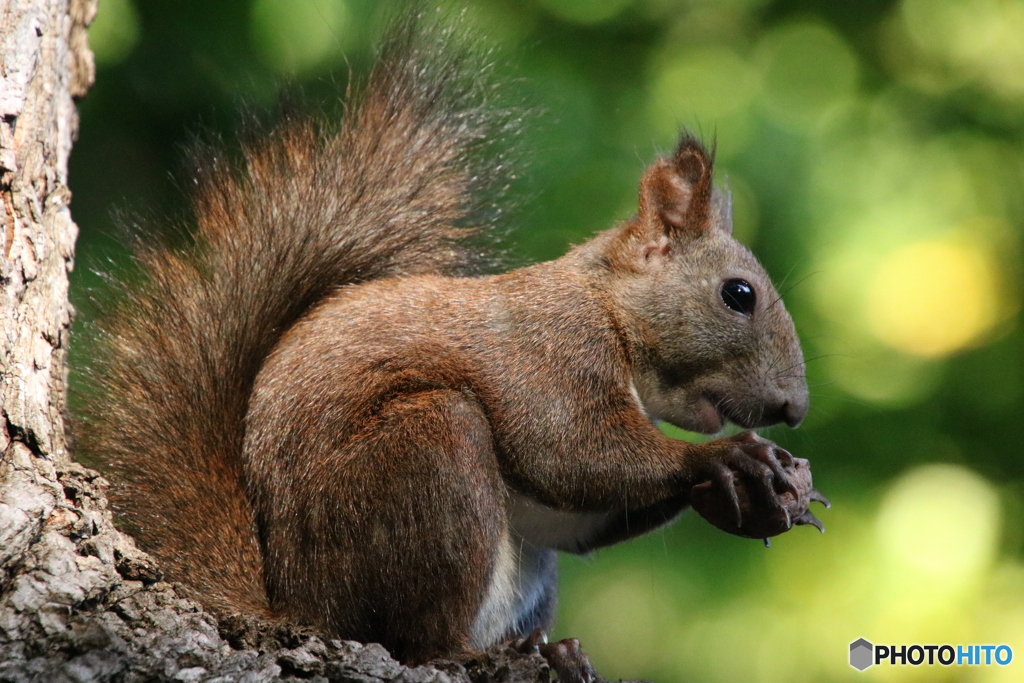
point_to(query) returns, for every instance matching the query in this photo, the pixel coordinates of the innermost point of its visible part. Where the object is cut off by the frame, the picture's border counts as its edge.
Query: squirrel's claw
(808, 518)
(815, 494)
(727, 480)
(780, 460)
(531, 643)
(565, 657)
(751, 487)
(776, 460)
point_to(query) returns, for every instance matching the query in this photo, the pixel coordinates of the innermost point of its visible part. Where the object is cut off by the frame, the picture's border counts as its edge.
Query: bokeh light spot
(933, 298)
(978, 40)
(808, 69)
(713, 82)
(711, 87)
(939, 524)
(114, 32)
(298, 36)
(884, 377)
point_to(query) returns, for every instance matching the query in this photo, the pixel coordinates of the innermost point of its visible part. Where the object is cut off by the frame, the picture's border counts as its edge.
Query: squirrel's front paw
(753, 488)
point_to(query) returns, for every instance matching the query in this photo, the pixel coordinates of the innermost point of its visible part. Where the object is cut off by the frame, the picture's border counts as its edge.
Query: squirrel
(317, 410)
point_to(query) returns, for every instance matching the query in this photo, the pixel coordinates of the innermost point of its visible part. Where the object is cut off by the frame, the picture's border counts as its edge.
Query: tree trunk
(45, 63)
(78, 600)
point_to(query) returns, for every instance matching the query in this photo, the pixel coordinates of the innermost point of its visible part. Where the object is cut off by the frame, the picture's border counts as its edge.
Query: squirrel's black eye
(739, 296)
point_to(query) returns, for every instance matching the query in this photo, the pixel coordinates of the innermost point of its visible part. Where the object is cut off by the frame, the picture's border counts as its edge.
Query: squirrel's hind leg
(410, 517)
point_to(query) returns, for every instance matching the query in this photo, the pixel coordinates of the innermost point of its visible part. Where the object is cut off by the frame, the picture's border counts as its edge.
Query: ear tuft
(693, 161)
(677, 192)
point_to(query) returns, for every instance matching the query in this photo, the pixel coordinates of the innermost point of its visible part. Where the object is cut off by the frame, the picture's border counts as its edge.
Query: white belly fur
(517, 580)
(515, 589)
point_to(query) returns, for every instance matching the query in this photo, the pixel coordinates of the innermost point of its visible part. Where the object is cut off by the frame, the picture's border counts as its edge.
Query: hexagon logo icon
(861, 654)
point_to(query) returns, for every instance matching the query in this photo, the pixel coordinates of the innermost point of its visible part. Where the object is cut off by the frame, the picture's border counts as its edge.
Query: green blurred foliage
(876, 153)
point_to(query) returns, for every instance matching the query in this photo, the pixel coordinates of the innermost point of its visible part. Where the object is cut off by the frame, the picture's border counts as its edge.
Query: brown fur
(308, 211)
(314, 420)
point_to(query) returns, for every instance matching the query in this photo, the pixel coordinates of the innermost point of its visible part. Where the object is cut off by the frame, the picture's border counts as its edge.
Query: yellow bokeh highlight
(1001, 619)
(938, 526)
(934, 298)
(937, 532)
(857, 361)
(977, 40)
(916, 562)
(916, 254)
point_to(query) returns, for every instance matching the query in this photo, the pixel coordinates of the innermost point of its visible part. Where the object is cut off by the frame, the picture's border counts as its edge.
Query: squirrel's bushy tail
(389, 192)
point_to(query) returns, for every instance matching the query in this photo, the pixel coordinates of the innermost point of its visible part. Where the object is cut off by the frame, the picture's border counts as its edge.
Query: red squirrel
(316, 412)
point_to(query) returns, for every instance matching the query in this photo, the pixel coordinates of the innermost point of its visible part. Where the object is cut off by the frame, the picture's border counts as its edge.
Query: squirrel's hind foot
(564, 656)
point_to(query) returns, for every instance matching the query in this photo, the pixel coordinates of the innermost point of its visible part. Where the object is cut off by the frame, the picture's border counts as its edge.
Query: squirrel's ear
(721, 210)
(676, 194)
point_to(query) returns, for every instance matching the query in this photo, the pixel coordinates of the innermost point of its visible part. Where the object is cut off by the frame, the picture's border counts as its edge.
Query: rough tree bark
(78, 600)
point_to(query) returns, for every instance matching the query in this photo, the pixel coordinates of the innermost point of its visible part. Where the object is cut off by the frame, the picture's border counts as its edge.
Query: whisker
(793, 286)
(848, 399)
(803, 362)
(788, 273)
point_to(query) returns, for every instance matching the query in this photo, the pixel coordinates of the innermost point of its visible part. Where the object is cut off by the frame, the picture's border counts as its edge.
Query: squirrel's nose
(794, 412)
